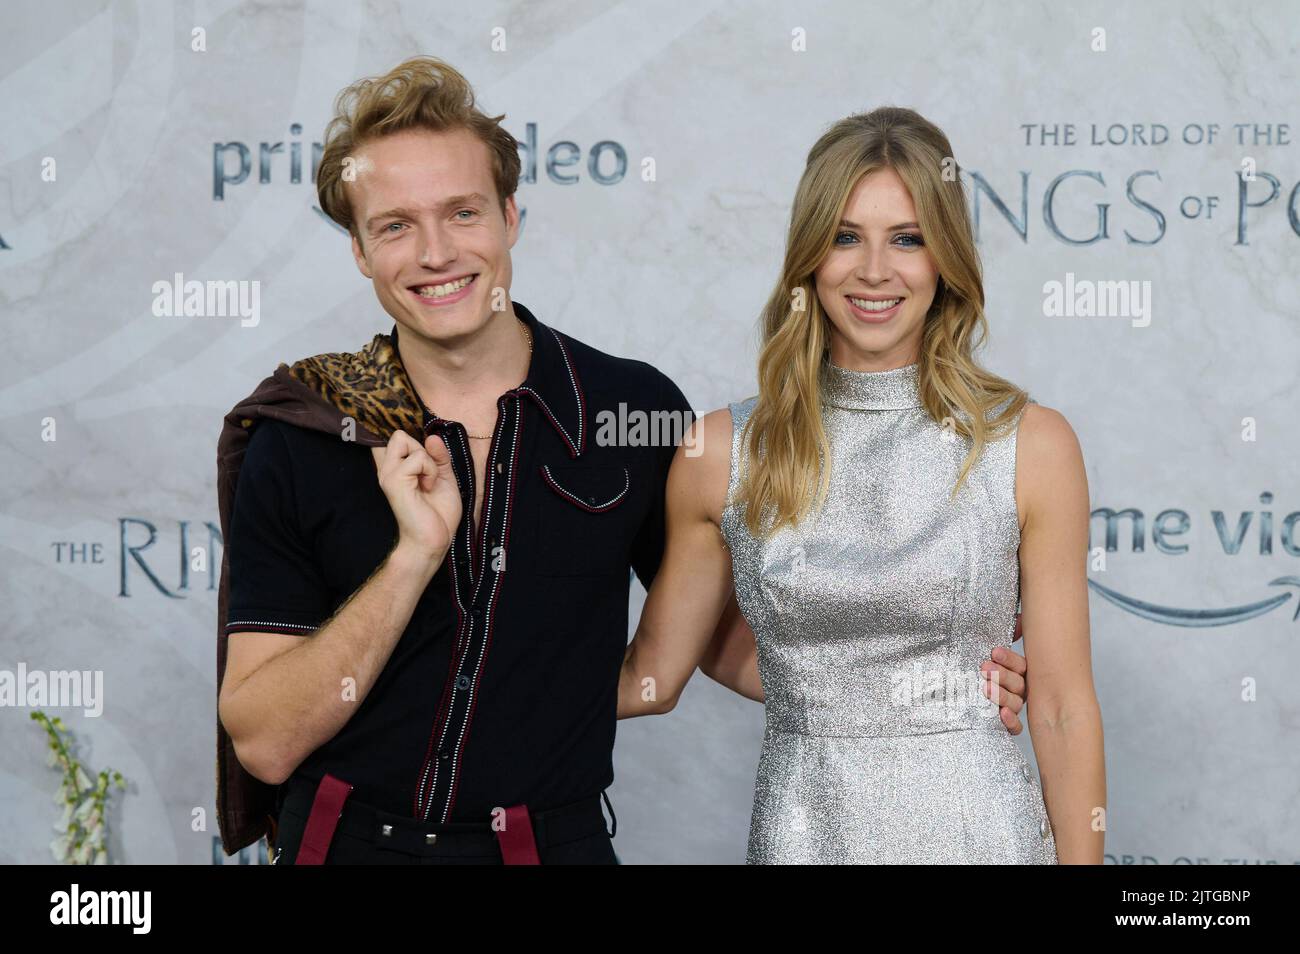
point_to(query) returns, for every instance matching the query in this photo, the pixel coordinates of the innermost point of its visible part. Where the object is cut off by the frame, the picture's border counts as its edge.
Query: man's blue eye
(390, 225)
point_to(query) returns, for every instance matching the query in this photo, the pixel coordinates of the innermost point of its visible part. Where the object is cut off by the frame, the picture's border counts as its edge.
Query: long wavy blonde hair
(782, 475)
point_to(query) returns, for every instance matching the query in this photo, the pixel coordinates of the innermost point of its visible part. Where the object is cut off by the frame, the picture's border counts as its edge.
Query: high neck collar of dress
(891, 390)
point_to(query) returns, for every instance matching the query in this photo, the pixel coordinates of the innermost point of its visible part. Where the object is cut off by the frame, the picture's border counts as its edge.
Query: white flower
(101, 857)
(59, 848)
(83, 781)
(61, 795)
(62, 824)
(85, 808)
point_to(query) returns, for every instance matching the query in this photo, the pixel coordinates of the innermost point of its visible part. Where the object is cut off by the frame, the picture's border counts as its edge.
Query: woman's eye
(906, 239)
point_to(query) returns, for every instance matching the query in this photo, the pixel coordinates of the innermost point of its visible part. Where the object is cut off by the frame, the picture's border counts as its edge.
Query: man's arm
(282, 697)
(692, 585)
(732, 657)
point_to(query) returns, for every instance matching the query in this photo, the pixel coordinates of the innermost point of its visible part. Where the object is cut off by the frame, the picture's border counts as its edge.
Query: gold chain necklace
(527, 337)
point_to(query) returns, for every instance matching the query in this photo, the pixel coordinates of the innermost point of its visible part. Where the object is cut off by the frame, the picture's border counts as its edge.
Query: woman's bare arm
(693, 584)
(1063, 715)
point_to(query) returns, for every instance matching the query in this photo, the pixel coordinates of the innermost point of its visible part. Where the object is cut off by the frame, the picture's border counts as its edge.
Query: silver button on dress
(872, 619)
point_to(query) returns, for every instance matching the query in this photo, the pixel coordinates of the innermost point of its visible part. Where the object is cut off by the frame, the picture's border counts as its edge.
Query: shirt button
(1044, 828)
(462, 682)
(1024, 770)
(592, 501)
(443, 755)
(499, 467)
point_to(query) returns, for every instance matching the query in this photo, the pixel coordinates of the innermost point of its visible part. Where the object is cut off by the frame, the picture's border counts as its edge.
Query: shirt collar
(552, 382)
(891, 390)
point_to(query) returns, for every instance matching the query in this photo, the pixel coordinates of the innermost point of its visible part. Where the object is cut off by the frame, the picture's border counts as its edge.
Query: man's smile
(443, 293)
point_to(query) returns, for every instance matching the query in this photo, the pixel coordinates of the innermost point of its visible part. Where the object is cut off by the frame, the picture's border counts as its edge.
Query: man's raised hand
(422, 491)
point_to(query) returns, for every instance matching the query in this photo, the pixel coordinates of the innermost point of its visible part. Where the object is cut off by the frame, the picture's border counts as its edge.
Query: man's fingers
(402, 442)
(416, 463)
(1008, 700)
(1004, 688)
(1010, 660)
(1008, 679)
(428, 468)
(402, 455)
(440, 454)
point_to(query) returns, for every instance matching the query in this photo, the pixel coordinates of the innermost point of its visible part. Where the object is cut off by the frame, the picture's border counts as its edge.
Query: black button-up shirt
(504, 686)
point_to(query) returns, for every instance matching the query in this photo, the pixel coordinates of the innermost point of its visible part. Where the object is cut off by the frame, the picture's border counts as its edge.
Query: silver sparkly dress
(871, 622)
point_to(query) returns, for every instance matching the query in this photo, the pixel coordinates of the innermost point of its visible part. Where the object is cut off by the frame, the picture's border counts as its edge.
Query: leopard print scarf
(371, 386)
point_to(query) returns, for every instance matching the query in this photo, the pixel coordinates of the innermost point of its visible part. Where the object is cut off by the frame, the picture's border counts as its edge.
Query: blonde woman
(878, 507)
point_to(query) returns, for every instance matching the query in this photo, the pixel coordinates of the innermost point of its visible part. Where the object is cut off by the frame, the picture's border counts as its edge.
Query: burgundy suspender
(325, 811)
(518, 846)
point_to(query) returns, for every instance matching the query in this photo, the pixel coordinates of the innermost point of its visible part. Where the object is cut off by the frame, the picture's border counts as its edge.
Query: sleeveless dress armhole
(740, 411)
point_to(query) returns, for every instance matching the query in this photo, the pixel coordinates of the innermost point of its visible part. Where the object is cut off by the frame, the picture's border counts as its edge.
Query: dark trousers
(365, 835)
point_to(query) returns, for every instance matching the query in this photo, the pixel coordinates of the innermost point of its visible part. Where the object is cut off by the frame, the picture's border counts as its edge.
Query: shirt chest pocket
(585, 522)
